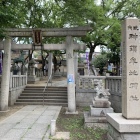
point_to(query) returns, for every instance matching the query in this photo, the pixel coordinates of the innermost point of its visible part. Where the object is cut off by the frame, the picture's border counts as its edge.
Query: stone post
(53, 127)
(50, 66)
(70, 75)
(126, 125)
(5, 75)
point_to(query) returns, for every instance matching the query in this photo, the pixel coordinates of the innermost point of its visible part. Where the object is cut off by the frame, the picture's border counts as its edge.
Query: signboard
(70, 78)
(37, 37)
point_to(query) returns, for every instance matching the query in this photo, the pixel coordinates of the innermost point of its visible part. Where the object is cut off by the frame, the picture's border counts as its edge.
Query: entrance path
(32, 122)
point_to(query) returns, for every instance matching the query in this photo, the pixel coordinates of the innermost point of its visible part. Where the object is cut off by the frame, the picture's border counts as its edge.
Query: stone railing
(86, 83)
(85, 91)
(113, 83)
(17, 81)
(17, 85)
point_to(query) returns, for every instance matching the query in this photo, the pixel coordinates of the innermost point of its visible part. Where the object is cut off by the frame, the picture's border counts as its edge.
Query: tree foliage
(100, 62)
(104, 18)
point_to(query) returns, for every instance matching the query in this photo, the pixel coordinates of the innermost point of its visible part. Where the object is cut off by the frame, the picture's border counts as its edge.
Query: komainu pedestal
(96, 117)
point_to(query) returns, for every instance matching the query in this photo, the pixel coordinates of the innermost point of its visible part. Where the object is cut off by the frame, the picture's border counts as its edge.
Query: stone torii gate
(7, 45)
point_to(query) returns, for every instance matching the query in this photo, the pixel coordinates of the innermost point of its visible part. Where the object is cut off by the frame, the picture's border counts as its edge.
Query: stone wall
(84, 99)
(14, 94)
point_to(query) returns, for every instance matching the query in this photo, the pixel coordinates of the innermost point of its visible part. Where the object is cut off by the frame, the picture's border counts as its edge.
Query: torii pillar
(50, 67)
(4, 95)
(76, 63)
(70, 76)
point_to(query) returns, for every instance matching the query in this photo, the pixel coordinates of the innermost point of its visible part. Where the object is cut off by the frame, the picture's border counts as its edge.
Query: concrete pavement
(32, 122)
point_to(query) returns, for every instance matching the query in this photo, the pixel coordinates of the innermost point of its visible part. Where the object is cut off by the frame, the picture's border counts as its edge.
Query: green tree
(100, 62)
(104, 18)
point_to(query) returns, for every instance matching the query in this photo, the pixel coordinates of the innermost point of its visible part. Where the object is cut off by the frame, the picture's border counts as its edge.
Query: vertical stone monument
(126, 125)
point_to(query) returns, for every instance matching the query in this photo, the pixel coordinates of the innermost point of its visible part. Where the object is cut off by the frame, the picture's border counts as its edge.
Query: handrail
(46, 87)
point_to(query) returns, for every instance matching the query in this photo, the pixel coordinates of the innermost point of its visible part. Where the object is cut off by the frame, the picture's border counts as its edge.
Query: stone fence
(17, 81)
(113, 83)
(17, 85)
(85, 90)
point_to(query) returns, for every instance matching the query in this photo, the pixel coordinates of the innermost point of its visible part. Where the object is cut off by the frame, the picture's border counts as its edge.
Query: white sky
(98, 2)
(97, 49)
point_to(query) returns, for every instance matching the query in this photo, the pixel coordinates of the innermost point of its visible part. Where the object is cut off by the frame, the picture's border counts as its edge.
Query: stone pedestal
(95, 122)
(120, 128)
(96, 117)
(100, 111)
(101, 106)
(32, 79)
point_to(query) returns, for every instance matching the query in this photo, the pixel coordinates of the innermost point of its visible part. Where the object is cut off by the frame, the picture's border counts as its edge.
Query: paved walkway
(32, 122)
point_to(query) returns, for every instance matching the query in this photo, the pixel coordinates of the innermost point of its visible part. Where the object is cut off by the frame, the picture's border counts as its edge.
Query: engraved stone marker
(131, 69)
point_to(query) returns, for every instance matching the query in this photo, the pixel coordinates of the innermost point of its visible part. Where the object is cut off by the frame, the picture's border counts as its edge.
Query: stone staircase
(33, 95)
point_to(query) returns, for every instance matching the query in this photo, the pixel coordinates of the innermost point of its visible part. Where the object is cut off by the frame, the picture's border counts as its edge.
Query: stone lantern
(31, 73)
(32, 63)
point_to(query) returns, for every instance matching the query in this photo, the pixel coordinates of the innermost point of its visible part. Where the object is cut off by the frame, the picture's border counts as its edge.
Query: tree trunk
(55, 63)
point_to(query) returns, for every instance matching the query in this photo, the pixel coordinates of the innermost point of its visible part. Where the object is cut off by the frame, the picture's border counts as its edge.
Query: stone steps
(41, 103)
(40, 91)
(42, 87)
(40, 97)
(41, 100)
(33, 95)
(45, 94)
